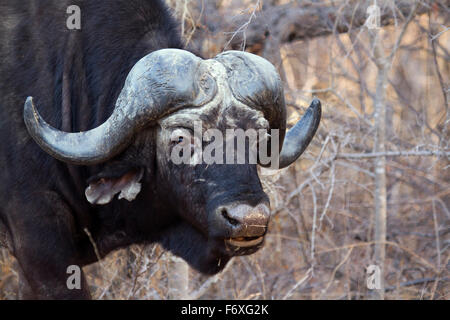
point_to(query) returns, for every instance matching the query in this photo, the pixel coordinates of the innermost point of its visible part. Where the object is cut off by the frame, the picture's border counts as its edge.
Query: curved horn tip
(30, 112)
(316, 105)
(298, 138)
(315, 101)
(29, 103)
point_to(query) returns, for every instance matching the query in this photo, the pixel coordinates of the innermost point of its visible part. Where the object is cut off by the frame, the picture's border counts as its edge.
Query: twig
(438, 245)
(243, 28)
(330, 194)
(314, 227)
(414, 282)
(94, 245)
(333, 274)
(420, 259)
(393, 154)
(299, 283)
(194, 295)
(402, 33)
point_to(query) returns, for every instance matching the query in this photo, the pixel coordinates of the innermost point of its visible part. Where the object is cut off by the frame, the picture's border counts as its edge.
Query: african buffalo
(123, 93)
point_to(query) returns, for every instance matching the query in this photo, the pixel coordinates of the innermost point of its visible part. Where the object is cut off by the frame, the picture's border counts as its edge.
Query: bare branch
(287, 23)
(393, 154)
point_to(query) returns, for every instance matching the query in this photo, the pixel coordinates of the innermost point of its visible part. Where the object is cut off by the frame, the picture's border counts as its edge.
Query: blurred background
(373, 188)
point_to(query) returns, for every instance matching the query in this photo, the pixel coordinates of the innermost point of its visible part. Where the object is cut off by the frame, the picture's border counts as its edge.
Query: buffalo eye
(179, 137)
(179, 140)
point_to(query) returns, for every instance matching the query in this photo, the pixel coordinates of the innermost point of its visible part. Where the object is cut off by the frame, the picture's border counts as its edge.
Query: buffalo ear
(103, 190)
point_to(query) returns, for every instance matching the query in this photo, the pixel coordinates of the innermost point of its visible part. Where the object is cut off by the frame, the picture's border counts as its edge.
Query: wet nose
(243, 220)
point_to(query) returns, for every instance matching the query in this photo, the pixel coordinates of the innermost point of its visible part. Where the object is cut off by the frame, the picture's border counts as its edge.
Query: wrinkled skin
(198, 191)
(188, 195)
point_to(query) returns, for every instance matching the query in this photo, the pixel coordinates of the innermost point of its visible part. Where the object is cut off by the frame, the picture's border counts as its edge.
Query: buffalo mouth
(244, 242)
(243, 245)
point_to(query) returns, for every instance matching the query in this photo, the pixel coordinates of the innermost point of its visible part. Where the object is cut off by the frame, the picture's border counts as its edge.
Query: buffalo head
(212, 211)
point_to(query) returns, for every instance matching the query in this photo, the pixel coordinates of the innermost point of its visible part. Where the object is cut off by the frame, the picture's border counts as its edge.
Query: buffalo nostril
(226, 216)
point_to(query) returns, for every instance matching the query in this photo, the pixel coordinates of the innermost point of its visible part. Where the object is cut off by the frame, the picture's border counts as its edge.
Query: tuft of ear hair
(103, 190)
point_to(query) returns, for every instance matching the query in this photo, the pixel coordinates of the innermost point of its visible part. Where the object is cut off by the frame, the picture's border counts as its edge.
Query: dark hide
(75, 78)
(42, 202)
